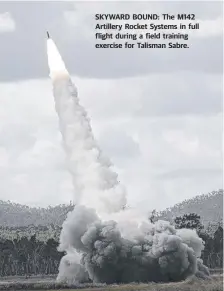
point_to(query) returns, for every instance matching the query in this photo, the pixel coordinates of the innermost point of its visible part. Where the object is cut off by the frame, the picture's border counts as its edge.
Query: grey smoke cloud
(156, 252)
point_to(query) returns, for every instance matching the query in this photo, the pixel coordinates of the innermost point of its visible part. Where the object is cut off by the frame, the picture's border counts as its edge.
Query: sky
(156, 113)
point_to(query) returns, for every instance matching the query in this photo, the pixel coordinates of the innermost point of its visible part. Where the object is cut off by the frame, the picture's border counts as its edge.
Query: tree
(191, 220)
(212, 254)
(218, 240)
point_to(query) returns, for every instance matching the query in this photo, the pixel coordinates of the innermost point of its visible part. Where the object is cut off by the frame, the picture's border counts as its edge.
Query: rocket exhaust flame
(55, 62)
(123, 249)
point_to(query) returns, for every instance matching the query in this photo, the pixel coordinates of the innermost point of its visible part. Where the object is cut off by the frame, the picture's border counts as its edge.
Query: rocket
(48, 35)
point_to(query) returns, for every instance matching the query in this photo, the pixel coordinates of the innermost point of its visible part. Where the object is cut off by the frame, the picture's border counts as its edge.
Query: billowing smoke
(103, 242)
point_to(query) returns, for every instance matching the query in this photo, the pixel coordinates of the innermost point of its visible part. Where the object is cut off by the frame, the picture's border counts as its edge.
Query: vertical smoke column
(95, 184)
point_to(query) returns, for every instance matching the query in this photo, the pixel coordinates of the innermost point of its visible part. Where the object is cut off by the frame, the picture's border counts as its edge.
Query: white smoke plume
(103, 242)
(71, 271)
(94, 181)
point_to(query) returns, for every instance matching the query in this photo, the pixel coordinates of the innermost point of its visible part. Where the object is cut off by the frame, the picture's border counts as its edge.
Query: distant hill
(208, 206)
(13, 214)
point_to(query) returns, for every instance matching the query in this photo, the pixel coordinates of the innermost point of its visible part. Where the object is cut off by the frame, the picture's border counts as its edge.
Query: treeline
(33, 250)
(42, 233)
(27, 256)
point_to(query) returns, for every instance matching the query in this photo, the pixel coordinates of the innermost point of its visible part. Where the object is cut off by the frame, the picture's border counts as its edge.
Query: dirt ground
(48, 283)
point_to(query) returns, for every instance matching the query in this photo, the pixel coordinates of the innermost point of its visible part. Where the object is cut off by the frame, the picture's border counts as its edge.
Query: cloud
(3, 157)
(72, 26)
(156, 95)
(7, 23)
(167, 155)
(83, 20)
(209, 28)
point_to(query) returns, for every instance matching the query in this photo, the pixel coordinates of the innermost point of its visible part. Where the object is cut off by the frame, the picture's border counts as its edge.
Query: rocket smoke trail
(94, 181)
(127, 247)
